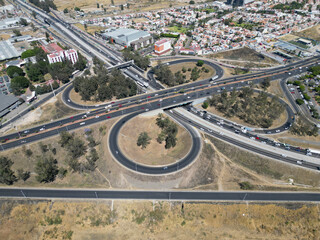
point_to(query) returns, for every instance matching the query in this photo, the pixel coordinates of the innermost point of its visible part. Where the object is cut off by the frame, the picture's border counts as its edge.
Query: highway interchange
(161, 99)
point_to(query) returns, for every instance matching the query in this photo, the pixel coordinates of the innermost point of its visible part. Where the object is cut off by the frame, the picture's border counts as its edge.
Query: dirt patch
(90, 28)
(157, 220)
(243, 54)
(203, 75)
(313, 33)
(75, 97)
(154, 153)
(288, 37)
(54, 109)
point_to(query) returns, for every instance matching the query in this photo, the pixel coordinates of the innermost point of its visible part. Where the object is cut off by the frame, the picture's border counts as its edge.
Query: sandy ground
(154, 153)
(157, 220)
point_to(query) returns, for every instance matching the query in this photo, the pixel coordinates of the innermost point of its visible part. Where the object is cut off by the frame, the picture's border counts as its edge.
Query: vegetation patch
(258, 110)
(104, 85)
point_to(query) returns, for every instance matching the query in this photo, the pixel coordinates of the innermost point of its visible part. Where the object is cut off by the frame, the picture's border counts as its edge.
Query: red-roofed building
(57, 54)
(51, 48)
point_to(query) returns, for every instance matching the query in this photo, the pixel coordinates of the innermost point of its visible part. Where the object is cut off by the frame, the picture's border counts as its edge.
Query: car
(201, 129)
(142, 107)
(97, 116)
(269, 132)
(26, 131)
(309, 154)
(83, 123)
(252, 138)
(221, 133)
(108, 116)
(41, 129)
(147, 110)
(68, 100)
(283, 155)
(209, 130)
(84, 116)
(257, 138)
(300, 162)
(278, 130)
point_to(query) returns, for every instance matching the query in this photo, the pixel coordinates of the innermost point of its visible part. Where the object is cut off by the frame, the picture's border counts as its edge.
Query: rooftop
(7, 50)
(51, 48)
(5, 102)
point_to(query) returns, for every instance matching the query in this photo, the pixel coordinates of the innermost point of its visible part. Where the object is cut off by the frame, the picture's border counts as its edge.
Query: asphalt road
(245, 145)
(157, 195)
(122, 159)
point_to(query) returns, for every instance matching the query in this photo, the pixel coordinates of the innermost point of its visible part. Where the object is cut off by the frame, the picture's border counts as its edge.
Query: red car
(149, 96)
(108, 116)
(257, 138)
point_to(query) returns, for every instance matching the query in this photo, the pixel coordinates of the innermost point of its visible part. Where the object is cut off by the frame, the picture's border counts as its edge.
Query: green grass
(178, 29)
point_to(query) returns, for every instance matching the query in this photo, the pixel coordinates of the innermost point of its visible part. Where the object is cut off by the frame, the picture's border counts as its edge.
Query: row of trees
(104, 85)
(169, 131)
(255, 109)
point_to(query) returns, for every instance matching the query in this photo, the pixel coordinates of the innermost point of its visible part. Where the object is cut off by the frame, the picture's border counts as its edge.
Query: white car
(277, 131)
(83, 123)
(283, 155)
(97, 116)
(41, 129)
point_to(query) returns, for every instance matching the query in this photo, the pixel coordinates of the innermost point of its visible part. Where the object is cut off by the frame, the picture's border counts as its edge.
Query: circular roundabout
(147, 169)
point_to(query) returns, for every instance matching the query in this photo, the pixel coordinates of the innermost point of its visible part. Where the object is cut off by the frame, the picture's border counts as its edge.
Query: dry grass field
(313, 33)
(154, 153)
(135, 5)
(157, 220)
(243, 54)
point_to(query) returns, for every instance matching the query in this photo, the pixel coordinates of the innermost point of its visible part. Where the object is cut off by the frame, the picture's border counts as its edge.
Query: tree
(77, 9)
(112, 2)
(121, 7)
(28, 53)
(191, 2)
(98, 5)
(265, 84)
(65, 138)
(171, 141)
(47, 37)
(143, 140)
(76, 147)
(6, 174)
(299, 101)
(205, 104)
(46, 169)
(34, 14)
(34, 73)
(17, 32)
(23, 175)
(240, 20)
(104, 93)
(14, 71)
(200, 63)
(23, 22)
(18, 84)
(65, 10)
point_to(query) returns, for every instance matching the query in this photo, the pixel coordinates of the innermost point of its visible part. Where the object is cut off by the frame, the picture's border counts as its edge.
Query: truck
(213, 78)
